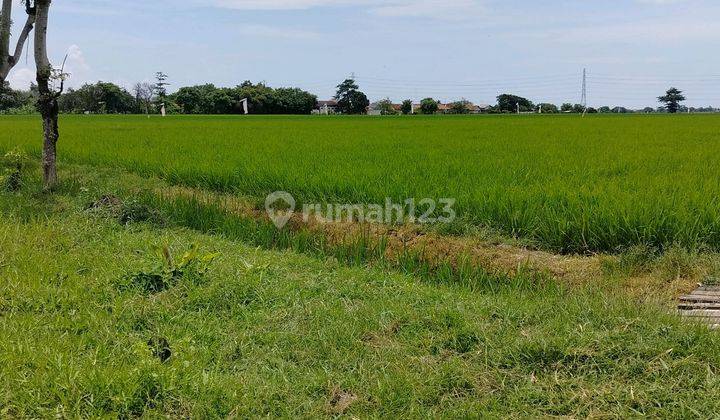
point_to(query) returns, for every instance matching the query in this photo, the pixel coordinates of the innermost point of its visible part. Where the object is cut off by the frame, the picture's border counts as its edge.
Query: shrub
(134, 211)
(14, 163)
(166, 273)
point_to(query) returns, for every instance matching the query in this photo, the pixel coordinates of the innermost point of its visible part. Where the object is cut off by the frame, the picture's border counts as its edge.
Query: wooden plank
(701, 293)
(700, 305)
(698, 313)
(706, 312)
(699, 298)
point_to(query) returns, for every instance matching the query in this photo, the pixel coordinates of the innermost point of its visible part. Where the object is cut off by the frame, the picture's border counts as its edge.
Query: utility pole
(518, 108)
(583, 97)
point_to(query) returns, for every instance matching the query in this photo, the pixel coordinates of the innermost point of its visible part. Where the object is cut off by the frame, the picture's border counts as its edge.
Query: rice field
(125, 296)
(603, 183)
(240, 329)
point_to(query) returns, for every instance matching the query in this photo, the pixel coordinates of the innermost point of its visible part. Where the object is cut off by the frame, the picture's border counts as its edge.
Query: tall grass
(573, 185)
(358, 250)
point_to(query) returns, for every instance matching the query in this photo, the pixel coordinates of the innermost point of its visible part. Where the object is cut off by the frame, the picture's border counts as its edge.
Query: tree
(294, 101)
(672, 99)
(350, 99)
(47, 94)
(604, 110)
(428, 106)
(407, 107)
(261, 99)
(460, 107)
(546, 108)
(199, 99)
(98, 98)
(208, 99)
(509, 103)
(385, 107)
(16, 101)
(8, 60)
(566, 107)
(144, 96)
(160, 88)
(578, 108)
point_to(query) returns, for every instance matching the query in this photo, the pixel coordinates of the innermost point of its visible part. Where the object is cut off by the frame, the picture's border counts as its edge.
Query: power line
(622, 88)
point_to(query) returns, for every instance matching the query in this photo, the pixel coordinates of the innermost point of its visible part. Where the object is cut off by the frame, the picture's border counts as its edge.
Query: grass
(602, 183)
(275, 333)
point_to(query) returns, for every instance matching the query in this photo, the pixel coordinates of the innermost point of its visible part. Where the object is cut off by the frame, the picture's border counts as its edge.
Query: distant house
(471, 108)
(443, 108)
(375, 108)
(330, 107)
(326, 107)
(479, 109)
(447, 108)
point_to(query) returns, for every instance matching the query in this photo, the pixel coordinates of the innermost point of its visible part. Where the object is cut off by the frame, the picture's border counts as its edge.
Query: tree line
(109, 98)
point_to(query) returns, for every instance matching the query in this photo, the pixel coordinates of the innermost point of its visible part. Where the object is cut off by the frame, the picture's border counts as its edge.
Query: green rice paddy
(602, 183)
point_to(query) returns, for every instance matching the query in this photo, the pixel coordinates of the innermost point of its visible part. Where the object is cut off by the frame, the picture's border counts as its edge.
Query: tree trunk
(49, 114)
(5, 23)
(48, 100)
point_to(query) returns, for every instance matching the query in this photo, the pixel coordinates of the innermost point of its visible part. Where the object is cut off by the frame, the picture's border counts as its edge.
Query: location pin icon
(280, 217)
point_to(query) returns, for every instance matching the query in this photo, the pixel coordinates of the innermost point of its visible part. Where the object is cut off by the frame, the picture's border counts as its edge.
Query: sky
(633, 50)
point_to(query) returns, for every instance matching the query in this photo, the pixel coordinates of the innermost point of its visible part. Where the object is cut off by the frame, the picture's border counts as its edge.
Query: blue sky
(476, 49)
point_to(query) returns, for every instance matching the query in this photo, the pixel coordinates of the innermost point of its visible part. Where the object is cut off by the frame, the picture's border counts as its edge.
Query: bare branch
(41, 18)
(29, 23)
(62, 75)
(7, 61)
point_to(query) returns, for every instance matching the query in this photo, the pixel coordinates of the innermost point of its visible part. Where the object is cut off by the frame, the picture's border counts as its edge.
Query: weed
(677, 262)
(638, 259)
(14, 163)
(133, 211)
(160, 348)
(463, 342)
(712, 281)
(166, 273)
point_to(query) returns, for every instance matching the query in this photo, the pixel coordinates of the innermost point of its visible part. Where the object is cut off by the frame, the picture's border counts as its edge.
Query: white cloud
(442, 9)
(97, 9)
(265, 31)
(661, 1)
(289, 4)
(78, 68)
(439, 9)
(20, 78)
(667, 32)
